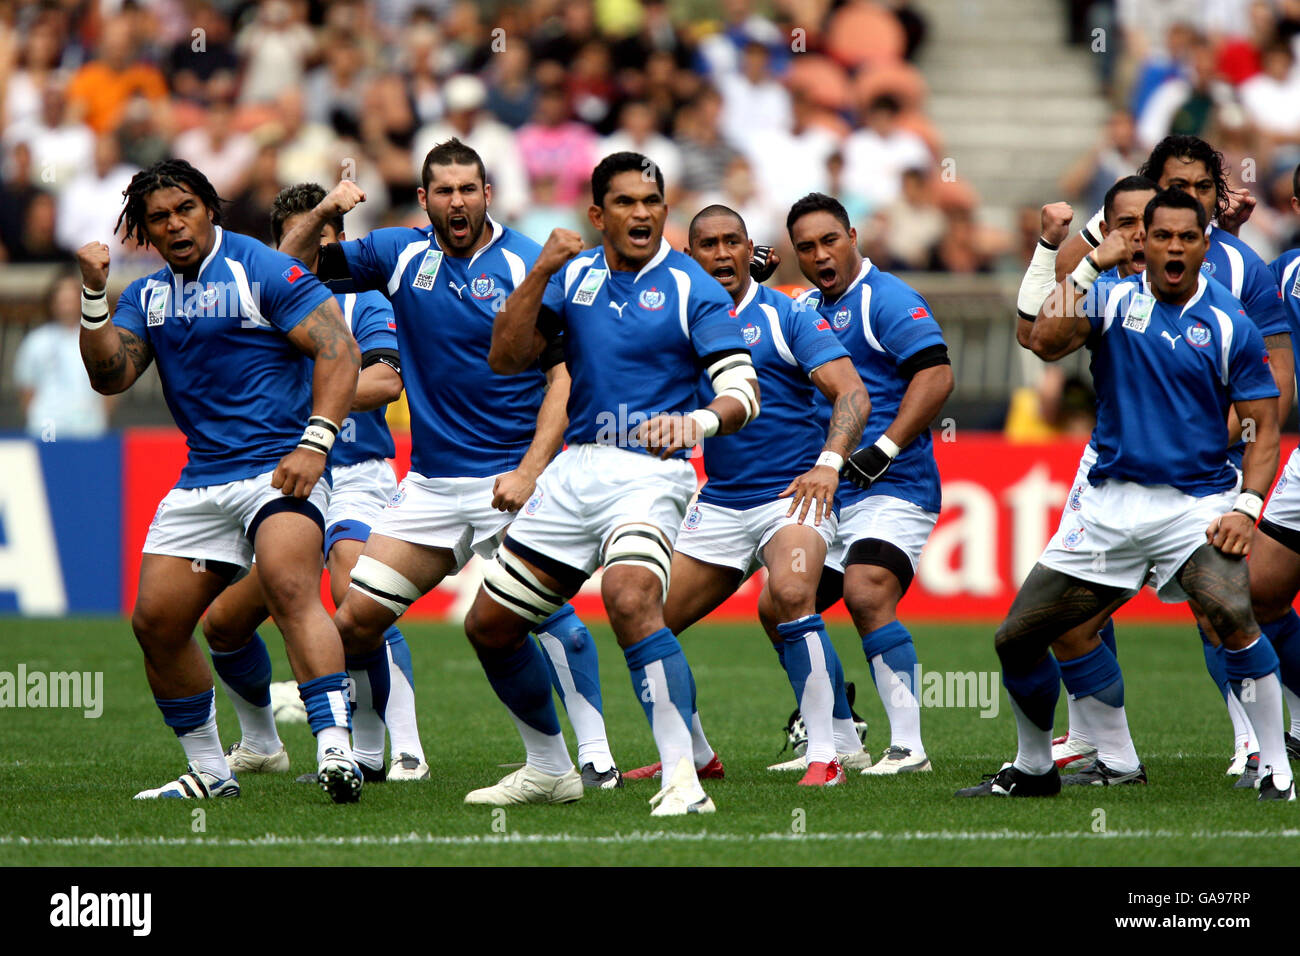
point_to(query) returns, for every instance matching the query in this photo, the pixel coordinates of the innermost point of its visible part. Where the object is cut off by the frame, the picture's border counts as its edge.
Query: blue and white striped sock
(663, 684)
(809, 672)
(571, 661)
(246, 676)
(328, 712)
(399, 716)
(194, 721)
(521, 683)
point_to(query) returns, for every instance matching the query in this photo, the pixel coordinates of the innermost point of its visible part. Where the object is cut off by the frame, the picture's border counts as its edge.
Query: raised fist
(561, 246)
(1056, 222)
(93, 259)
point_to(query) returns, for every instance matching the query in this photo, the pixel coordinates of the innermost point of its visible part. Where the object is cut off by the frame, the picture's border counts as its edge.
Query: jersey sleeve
(812, 342)
(288, 290)
(1290, 291)
(373, 324)
(903, 323)
(711, 317)
(1249, 375)
(367, 263)
(1262, 298)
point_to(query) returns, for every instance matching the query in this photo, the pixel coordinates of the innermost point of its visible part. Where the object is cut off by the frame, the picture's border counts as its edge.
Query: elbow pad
(734, 375)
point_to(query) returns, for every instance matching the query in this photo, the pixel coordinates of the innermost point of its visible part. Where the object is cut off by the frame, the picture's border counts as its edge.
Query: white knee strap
(383, 585)
(509, 582)
(643, 545)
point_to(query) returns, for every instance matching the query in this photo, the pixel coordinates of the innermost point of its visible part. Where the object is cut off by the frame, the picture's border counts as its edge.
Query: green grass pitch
(66, 781)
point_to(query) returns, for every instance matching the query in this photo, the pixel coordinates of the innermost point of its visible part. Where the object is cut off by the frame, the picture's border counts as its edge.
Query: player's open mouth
(182, 246)
(724, 272)
(1174, 270)
(826, 276)
(640, 235)
(459, 226)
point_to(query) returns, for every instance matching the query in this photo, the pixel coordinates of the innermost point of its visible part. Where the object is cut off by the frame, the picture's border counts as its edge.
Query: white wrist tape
(885, 444)
(1092, 231)
(831, 460)
(1039, 280)
(1250, 504)
(1085, 274)
(708, 420)
(319, 435)
(94, 308)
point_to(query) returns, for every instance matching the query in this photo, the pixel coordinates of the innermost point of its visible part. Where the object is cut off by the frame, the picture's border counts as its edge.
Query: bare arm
(921, 404)
(516, 343)
(1061, 327)
(114, 358)
(325, 337)
(377, 385)
(850, 406)
(512, 490)
(1281, 362)
(1071, 254)
(303, 240)
(1231, 533)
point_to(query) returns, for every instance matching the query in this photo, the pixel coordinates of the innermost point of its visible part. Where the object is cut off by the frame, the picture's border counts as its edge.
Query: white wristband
(319, 435)
(94, 305)
(708, 420)
(1250, 504)
(1039, 280)
(1085, 274)
(1092, 231)
(88, 324)
(885, 444)
(831, 460)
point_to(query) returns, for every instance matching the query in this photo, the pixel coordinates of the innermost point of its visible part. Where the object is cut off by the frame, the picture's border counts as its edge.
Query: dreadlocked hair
(1189, 149)
(164, 174)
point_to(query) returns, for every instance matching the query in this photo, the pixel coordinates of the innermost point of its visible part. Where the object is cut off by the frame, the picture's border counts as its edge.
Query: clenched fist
(561, 246)
(93, 259)
(1057, 217)
(343, 198)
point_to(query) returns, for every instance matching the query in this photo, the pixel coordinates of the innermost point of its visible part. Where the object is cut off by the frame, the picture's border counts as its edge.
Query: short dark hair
(164, 174)
(1174, 199)
(887, 102)
(1295, 182)
(624, 162)
(1129, 184)
(1190, 149)
(716, 209)
(816, 202)
(452, 153)
(294, 201)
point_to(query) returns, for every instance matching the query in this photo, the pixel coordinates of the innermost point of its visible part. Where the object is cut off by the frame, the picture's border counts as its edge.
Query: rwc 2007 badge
(428, 270)
(590, 285)
(1139, 312)
(157, 307)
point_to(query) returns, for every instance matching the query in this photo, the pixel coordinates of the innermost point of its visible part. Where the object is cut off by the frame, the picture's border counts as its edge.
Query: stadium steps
(1013, 102)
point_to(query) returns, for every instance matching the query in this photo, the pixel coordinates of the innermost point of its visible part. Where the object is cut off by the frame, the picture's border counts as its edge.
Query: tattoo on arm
(1281, 340)
(327, 334)
(848, 418)
(107, 373)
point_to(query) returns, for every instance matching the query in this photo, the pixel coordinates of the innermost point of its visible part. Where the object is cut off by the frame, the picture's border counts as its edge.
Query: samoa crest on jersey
(482, 287)
(651, 299)
(751, 333)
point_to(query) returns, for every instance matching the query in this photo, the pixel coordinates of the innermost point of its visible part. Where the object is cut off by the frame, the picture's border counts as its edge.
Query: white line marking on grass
(639, 836)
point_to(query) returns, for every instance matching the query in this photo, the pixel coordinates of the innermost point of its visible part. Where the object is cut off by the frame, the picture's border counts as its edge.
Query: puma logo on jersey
(458, 289)
(618, 308)
(1173, 339)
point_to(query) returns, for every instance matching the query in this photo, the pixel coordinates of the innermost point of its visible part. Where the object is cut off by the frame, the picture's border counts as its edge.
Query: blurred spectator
(38, 243)
(204, 58)
(802, 145)
(721, 53)
(913, 24)
(60, 145)
(753, 100)
(557, 149)
(249, 210)
(1117, 154)
(388, 126)
(88, 208)
(912, 224)
(307, 149)
(636, 133)
(512, 94)
(962, 248)
(333, 92)
(559, 37)
(590, 86)
(466, 119)
(139, 139)
(55, 393)
(16, 193)
(102, 88)
(420, 44)
(764, 216)
(876, 155)
(854, 203)
(1272, 98)
(275, 47)
(705, 153)
(218, 149)
(546, 212)
(1058, 407)
(656, 34)
(39, 57)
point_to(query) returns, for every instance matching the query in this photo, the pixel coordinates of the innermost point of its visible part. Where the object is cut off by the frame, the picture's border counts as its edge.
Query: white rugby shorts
(589, 490)
(211, 523)
(903, 524)
(454, 514)
(735, 538)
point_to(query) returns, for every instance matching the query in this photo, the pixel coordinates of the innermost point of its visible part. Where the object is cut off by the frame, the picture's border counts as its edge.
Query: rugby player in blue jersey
(889, 501)
(1192, 165)
(478, 440)
(363, 484)
(742, 518)
(1163, 500)
(234, 329)
(638, 322)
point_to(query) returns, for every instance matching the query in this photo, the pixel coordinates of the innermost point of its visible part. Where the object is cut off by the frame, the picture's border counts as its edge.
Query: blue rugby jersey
(1162, 409)
(883, 321)
(757, 463)
(466, 421)
(234, 383)
(633, 340)
(365, 435)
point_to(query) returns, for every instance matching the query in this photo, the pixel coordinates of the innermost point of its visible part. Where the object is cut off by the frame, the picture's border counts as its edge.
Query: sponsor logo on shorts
(1073, 539)
(752, 333)
(651, 299)
(398, 498)
(534, 502)
(1281, 484)
(482, 287)
(1199, 335)
(841, 319)
(1075, 494)
(157, 515)
(693, 518)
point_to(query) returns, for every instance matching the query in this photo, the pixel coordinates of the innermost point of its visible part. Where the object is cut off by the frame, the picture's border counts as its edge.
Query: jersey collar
(1201, 284)
(659, 257)
(862, 274)
(218, 235)
(497, 232)
(748, 297)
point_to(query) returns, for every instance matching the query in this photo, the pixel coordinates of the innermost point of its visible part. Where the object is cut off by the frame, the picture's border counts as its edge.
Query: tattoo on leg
(1048, 605)
(1220, 587)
